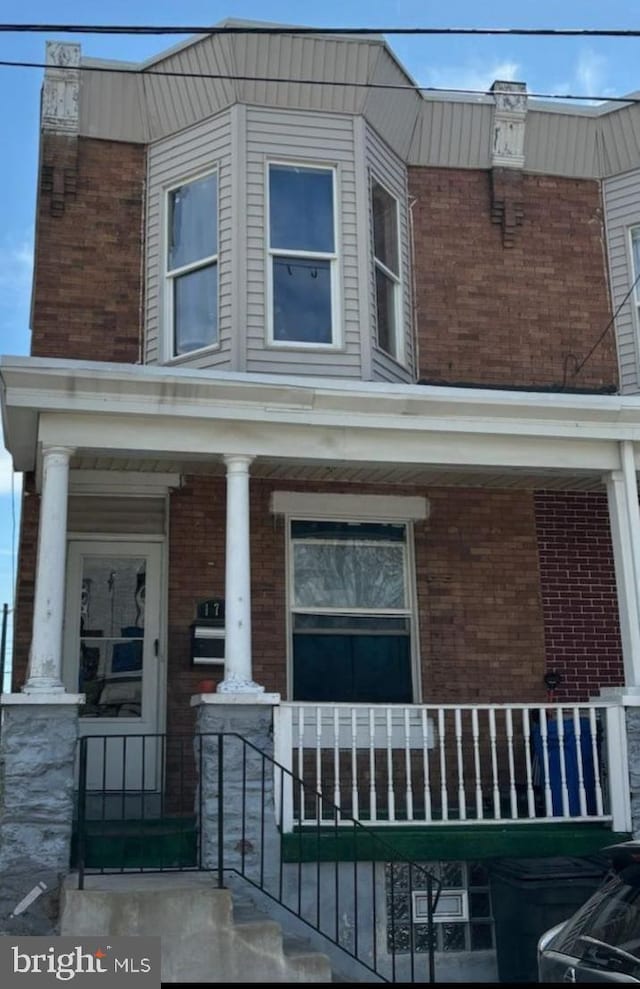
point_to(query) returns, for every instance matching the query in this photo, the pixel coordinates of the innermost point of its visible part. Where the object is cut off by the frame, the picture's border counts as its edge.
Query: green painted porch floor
(447, 842)
(158, 843)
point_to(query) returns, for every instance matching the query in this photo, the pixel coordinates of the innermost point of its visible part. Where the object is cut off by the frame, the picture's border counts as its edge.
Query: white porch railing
(454, 764)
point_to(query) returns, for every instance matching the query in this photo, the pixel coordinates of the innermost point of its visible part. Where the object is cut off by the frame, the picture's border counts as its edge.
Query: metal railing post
(82, 811)
(220, 811)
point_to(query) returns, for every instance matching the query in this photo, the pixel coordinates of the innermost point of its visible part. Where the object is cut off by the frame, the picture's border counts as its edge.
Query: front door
(111, 655)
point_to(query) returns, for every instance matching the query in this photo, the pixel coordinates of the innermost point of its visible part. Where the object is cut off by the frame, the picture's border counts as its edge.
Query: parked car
(601, 941)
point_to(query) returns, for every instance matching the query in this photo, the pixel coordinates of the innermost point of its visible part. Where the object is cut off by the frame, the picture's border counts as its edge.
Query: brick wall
(87, 267)
(28, 549)
(513, 315)
(577, 582)
(481, 636)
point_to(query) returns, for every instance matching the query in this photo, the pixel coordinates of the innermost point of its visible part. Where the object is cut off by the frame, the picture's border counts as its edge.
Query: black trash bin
(529, 896)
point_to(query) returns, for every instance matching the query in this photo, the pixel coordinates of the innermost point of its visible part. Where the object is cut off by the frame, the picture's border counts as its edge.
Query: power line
(155, 29)
(234, 77)
(578, 368)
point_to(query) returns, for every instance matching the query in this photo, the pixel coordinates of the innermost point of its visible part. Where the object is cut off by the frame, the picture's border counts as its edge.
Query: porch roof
(185, 419)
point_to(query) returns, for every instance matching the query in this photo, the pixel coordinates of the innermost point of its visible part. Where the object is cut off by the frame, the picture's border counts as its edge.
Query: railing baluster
(373, 801)
(593, 725)
(444, 800)
(355, 808)
(548, 803)
(425, 764)
(462, 802)
(475, 731)
(497, 813)
(564, 790)
(301, 762)
(337, 797)
(577, 738)
(391, 798)
(319, 760)
(407, 765)
(513, 797)
(526, 735)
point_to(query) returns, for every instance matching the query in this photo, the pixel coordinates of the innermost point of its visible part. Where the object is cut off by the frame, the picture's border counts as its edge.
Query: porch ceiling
(308, 470)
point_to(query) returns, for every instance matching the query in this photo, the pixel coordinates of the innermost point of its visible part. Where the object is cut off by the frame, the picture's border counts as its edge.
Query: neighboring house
(371, 324)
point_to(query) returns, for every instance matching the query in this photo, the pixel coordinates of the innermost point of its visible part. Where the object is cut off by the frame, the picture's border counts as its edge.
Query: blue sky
(599, 67)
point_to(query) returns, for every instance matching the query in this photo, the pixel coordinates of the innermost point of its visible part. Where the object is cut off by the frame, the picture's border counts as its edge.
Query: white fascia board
(41, 385)
(311, 505)
(199, 439)
(122, 482)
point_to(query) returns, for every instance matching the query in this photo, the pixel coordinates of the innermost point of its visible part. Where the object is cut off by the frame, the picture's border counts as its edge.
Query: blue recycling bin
(572, 778)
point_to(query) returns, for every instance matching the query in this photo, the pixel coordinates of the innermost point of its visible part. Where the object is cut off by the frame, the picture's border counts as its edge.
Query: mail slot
(207, 643)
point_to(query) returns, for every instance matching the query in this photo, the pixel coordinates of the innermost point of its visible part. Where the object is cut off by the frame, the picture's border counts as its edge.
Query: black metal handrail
(228, 783)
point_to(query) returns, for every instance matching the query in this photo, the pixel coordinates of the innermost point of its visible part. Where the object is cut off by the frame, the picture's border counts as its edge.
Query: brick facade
(577, 583)
(522, 315)
(88, 288)
(479, 612)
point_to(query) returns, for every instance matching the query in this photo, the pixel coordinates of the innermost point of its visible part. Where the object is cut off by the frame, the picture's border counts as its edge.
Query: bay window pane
(386, 311)
(301, 300)
(301, 209)
(195, 302)
(385, 228)
(193, 227)
(348, 575)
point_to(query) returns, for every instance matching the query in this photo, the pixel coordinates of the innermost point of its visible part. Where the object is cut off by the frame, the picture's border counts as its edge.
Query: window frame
(411, 596)
(634, 235)
(170, 276)
(399, 354)
(332, 257)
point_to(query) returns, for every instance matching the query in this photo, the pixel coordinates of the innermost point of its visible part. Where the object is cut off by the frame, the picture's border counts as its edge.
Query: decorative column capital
(238, 463)
(62, 453)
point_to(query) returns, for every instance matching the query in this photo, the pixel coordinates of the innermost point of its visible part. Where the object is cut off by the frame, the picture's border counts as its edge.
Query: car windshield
(605, 932)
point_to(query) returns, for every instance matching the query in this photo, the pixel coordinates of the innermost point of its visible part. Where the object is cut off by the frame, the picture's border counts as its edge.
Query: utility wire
(234, 77)
(578, 368)
(132, 29)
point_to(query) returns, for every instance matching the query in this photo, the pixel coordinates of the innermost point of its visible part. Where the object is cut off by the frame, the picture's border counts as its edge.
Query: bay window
(386, 252)
(192, 265)
(635, 272)
(302, 256)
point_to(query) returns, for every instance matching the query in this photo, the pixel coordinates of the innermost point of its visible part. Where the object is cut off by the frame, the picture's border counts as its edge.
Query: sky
(581, 66)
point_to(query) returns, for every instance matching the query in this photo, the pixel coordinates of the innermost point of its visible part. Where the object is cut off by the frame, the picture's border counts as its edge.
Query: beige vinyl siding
(452, 134)
(304, 137)
(620, 140)
(392, 112)
(178, 158)
(561, 144)
(390, 171)
(116, 515)
(622, 211)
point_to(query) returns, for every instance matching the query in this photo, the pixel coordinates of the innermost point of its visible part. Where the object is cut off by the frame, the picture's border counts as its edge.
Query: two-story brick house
(332, 357)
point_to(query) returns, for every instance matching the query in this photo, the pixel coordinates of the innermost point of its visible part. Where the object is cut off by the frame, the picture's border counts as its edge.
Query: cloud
(590, 72)
(475, 75)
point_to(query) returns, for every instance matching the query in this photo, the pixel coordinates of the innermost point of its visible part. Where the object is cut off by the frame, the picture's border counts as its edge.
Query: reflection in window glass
(192, 264)
(301, 254)
(384, 212)
(348, 575)
(112, 609)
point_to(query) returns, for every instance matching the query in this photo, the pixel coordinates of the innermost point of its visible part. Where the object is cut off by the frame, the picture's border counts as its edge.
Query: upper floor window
(386, 251)
(192, 264)
(635, 255)
(302, 255)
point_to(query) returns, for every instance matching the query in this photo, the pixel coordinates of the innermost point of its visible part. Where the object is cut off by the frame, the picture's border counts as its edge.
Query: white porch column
(624, 517)
(45, 659)
(237, 670)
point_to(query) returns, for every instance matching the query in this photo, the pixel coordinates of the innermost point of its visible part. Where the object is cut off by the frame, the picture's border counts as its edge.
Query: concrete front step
(204, 939)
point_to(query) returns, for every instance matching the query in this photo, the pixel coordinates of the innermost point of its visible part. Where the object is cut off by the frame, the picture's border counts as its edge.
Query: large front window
(302, 255)
(350, 612)
(192, 265)
(384, 212)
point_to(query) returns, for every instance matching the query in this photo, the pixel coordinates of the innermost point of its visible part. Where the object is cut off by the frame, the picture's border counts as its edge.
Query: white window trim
(398, 281)
(304, 506)
(333, 258)
(169, 276)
